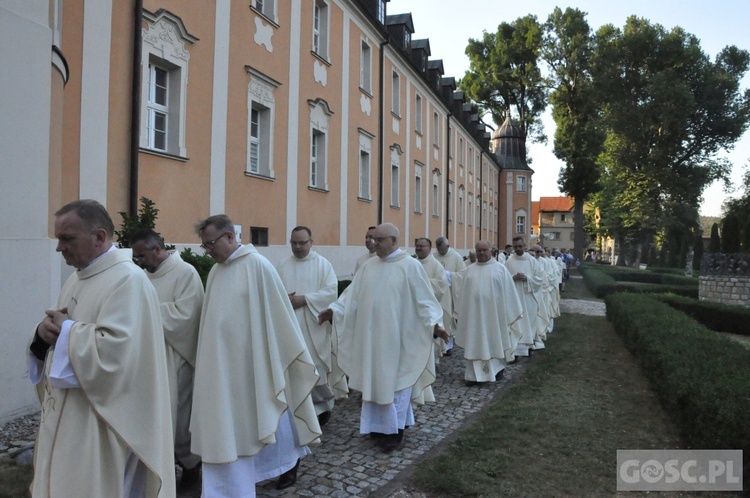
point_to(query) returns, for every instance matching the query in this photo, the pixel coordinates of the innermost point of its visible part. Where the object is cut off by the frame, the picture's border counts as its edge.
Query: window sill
(364, 199)
(160, 153)
(395, 207)
(265, 17)
(418, 212)
(320, 58)
(366, 92)
(260, 177)
(395, 115)
(317, 189)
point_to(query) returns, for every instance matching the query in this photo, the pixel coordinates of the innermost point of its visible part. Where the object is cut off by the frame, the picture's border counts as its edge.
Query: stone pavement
(349, 464)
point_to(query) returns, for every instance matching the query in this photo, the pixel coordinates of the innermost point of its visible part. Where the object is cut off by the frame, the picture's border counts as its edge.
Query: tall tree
(578, 137)
(730, 233)
(668, 110)
(504, 77)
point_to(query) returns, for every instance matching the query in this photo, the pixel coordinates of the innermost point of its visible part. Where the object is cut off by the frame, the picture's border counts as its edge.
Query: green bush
(603, 282)
(700, 376)
(202, 262)
(730, 233)
(715, 316)
(668, 271)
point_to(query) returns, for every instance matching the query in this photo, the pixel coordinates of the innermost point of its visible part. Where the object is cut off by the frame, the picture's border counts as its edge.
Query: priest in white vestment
(253, 413)
(528, 277)
(99, 365)
(180, 292)
(370, 244)
(452, 263)
(439, 283)
(545, 303)
(312, 286)
(488, 309)
(386, 320)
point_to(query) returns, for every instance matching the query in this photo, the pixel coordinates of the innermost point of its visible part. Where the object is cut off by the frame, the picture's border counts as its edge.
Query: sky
(449, 25)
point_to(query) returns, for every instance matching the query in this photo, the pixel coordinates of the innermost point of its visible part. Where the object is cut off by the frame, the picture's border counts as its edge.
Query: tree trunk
(579, 242)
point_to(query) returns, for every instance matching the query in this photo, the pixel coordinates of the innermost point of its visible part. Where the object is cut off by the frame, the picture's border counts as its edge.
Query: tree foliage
(578, 139)
(504, 76)
(145, 219)
(730, 233)
(667, 110)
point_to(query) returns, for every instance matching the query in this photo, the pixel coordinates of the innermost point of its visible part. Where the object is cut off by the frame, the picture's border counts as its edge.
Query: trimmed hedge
(602, 284)
(699, 376)
(715, 316)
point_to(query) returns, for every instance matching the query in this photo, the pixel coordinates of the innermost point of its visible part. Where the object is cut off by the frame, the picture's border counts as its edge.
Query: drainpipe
(447, 173)
(135, 111)
(381, 126)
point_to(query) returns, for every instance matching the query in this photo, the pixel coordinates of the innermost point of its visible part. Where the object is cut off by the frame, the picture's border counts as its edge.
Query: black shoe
(448, 353)
(390, 442)
(377, 435)
(471, 383)
(500, 375)
(324, 417)
(288, 478)
(190, 476)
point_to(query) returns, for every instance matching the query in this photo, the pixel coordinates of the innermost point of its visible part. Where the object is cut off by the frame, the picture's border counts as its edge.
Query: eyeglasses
(212, 243)
(381, 239)
(300, 243)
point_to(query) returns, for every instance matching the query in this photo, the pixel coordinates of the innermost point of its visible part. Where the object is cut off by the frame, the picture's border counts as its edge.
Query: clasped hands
(49, 329)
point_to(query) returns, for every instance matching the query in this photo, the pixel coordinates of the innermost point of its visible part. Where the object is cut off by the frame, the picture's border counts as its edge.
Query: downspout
(381, 126)
(447, 173)
(135, 111)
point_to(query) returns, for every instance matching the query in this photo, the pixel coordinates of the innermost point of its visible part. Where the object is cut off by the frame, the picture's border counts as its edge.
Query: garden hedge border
(715, 316)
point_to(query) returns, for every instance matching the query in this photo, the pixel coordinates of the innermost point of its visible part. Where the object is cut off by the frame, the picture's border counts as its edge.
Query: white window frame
(381, 11)
(396, 94)
(365, 164)
(418, 187)
(478, 208)
(157, 107)
(521, 222)
(267, 8)
(470, 210)
(436, 193)
(436, 129)
(260, 99)
(395, 176)
(320, 28)
(449, 201)
(365, 67)
(418, 114)
(460, 207)
(520, 183)
(165, 45)
(319, 114)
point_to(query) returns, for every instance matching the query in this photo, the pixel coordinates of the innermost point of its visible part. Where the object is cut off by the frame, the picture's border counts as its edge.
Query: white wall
(29, 267)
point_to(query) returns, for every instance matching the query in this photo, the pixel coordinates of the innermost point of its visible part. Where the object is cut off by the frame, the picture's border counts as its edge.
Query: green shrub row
(700, 376)
(624, 274)
(715, 316)
(602, 284)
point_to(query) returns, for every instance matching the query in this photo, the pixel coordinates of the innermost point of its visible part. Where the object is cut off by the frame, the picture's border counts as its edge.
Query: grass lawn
(14, 480)
(556, 431)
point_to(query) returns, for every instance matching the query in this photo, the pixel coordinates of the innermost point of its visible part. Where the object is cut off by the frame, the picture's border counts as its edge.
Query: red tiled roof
(559, 204)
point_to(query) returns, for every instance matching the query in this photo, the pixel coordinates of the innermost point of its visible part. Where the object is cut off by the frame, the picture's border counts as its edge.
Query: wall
(725, 278)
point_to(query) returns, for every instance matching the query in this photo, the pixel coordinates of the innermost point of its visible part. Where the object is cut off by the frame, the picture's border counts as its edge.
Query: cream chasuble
(385, 321)
(116, 349)
(488, 309)
(529, 292)
(441, 289)
(314, 278)
(252, 363)
(452, 261)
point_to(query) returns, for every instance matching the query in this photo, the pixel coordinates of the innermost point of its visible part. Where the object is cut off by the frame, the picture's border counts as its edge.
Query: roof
(400, 19)
(421, 44)
(558, 204)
